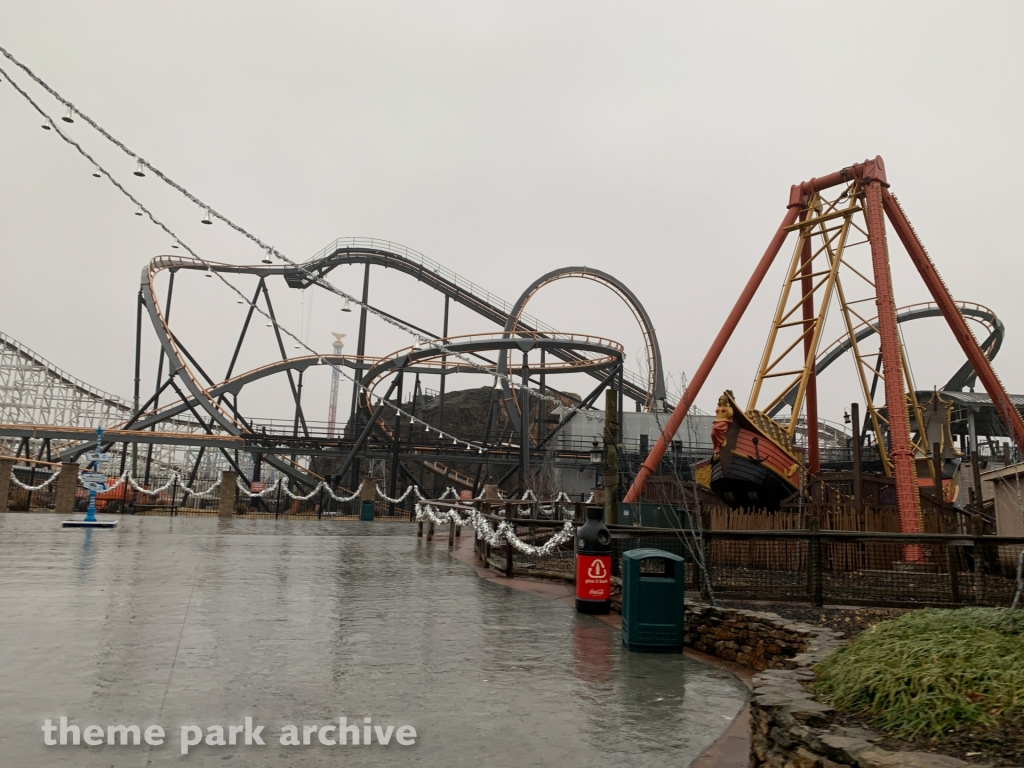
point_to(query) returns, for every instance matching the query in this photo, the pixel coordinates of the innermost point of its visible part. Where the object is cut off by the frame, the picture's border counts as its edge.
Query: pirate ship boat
(754, 463)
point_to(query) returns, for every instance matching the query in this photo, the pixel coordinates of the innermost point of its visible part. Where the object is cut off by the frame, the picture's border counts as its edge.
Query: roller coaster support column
(159, 369)
(956, 322)
(650, 464)
(444, 361)
(360, 347)
(138, 377)
(901, 454)
(611, 457)
(350, 460)
(397, 443)
(542, 408)
(524, 421)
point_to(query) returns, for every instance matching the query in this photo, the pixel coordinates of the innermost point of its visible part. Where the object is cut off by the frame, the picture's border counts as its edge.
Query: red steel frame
(880, 203)
(901, 454)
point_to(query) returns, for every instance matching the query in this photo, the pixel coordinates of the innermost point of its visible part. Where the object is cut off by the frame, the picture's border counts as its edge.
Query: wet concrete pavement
(176, 621)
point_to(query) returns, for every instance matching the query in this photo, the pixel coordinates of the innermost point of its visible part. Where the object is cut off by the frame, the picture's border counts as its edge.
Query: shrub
(931, 671)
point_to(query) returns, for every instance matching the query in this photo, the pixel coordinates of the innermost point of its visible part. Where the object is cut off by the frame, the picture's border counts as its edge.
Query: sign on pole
(94, 481)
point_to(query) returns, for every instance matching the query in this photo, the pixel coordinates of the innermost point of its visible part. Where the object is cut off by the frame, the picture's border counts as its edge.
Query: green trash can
(366, 509)
(653, 592)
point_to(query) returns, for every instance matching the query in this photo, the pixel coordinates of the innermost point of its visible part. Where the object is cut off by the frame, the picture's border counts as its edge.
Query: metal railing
(818, 568)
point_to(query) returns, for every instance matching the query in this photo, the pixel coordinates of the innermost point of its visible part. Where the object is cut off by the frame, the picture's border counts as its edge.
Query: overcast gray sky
(656, 141)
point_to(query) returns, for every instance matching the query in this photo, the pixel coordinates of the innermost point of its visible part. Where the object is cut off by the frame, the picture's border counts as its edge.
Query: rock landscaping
(790, 728)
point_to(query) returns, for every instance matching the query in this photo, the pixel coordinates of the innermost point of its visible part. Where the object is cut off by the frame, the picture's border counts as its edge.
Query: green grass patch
(931, 671)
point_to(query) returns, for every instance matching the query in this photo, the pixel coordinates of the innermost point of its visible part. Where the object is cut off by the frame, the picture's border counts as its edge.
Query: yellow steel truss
(825, 229)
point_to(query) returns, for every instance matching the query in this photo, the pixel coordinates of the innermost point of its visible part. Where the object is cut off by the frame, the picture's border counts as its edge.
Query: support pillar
(226, 502)
(976, 483)
(360, 351)
(6, 467)
(901, 454)
(524, 424)
(444, 378)
(940, 293)
(396, 444)
(67, 484)
(611, 457)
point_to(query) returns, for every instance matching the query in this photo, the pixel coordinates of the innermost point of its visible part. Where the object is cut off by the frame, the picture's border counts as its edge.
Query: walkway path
(175, 621)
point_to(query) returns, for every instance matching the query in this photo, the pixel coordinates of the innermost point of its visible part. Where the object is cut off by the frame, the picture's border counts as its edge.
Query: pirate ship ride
(754, 463)
(841, 260)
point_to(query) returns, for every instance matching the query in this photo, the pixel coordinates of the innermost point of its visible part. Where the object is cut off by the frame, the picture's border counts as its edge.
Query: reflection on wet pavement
(175, 621)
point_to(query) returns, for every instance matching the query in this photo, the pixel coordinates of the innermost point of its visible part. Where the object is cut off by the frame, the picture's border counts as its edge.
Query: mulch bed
(1002, 746)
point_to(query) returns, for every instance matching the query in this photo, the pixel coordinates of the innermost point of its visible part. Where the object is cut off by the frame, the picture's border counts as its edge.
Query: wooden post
(953, 566)
(705, 576)
(419, 529)
(858, 467)
(937, 470)
(430, 530)
(814, 586)
(979, 558)
(976, 476)
(451, 531)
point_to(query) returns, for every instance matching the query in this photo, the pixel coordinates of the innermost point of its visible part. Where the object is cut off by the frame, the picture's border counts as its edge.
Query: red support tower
(901, 454)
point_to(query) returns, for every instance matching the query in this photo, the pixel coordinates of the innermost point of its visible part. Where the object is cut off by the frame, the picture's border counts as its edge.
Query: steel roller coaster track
(214, 403)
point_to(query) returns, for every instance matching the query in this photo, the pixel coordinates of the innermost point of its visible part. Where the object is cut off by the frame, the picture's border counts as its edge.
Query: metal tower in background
(332, 408)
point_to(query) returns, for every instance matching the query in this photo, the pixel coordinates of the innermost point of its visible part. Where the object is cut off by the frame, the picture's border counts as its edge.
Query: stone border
(789, 727)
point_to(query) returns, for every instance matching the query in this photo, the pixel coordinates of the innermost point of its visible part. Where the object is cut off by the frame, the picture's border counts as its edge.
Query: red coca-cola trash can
(593, 564)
